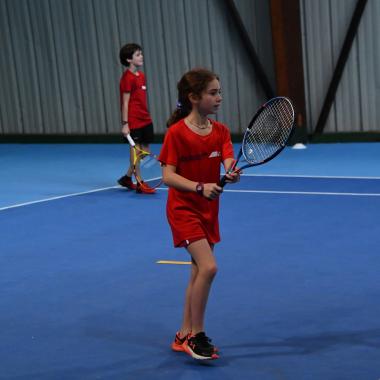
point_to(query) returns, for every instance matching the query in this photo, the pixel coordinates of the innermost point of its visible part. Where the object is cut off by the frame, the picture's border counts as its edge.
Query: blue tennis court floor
(82, 295)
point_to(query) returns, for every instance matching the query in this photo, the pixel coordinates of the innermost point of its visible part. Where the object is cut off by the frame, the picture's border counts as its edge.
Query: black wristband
(199, 188)
(124, 122)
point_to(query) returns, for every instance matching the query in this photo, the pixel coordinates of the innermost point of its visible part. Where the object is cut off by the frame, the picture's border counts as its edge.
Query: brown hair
(127, 51)
(193, 82)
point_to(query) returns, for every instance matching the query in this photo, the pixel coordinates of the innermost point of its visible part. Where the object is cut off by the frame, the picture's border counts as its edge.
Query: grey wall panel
(69, 77)
(107, 34)
(324, 27)
(317, 56)
(156, 66)
(346, 112)
(176, 48)
(88, 50)
(197, 33)
(49, 96)
(128, 16)
(369, 67)
(24, 57)
(224, 62)
(60, 71)
(250, 96)
(10, 107)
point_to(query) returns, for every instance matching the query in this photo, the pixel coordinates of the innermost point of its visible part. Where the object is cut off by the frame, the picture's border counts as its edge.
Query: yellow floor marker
(173, 262)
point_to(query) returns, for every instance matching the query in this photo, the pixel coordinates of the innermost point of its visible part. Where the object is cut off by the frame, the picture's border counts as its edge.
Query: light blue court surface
(296, 296)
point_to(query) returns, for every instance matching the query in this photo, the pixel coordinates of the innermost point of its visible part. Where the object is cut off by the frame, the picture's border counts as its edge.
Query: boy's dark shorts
(143, 136)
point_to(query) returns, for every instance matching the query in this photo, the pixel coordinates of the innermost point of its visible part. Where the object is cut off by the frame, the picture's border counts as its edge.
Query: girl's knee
(213, 270)
(210, 271)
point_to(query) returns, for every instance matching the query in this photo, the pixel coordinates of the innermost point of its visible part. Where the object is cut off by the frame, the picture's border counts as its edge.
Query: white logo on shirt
(143, 87)
(215, 154)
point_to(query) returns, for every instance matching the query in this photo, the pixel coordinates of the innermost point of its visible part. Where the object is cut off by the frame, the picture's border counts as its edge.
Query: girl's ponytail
(193, 82)
(179, 113)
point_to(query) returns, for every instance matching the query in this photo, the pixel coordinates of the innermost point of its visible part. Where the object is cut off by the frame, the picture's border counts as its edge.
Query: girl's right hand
(125, 130)
(212, 190)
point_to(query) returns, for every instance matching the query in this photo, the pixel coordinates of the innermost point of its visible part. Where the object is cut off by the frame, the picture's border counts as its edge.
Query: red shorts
(189, 229)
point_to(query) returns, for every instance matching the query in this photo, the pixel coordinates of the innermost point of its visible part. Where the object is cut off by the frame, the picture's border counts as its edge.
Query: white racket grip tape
(130, 140)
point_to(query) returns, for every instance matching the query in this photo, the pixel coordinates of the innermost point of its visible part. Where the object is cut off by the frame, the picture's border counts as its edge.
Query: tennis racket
(146, 167)
(266, 135)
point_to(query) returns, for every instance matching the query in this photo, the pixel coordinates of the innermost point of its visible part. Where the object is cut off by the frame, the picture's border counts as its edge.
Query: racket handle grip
(223, 181)
(130, 140)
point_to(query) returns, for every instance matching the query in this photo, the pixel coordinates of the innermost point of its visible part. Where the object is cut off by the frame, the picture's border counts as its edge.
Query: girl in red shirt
(193, 150)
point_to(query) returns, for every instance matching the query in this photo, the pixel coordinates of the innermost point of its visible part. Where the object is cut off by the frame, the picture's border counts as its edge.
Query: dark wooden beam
(287, 48)
(259, 70)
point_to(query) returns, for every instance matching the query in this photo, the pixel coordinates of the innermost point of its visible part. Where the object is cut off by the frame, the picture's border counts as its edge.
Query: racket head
(268, 132)
(147, 169)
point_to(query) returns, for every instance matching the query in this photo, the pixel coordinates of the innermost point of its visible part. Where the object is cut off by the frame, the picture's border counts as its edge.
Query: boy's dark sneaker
(126, 181)
(178, 342)
(199, 347)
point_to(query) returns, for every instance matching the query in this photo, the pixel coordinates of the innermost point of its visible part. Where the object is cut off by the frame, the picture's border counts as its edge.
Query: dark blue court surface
(296, 296)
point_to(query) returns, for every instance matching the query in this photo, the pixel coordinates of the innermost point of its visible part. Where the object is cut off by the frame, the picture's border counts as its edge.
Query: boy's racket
(146, 167)
(266, 135)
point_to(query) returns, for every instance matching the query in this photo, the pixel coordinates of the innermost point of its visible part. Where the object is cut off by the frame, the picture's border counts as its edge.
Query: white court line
(295, 192)
(58, 197)
(304, 193)
(226, 190)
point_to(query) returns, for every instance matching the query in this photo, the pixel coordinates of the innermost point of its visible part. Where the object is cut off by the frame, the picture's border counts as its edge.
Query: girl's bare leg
(200, 283)
(186, 323)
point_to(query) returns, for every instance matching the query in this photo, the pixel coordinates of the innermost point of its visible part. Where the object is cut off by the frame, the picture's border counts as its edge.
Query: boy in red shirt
(135, 117)
(192, 153)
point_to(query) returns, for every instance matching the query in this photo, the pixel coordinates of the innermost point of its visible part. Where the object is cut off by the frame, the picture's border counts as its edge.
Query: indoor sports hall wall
(324, 26)
(60, 70)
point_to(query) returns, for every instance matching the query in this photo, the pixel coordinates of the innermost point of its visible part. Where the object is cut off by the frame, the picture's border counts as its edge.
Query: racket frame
(137, 152)
(250, 125)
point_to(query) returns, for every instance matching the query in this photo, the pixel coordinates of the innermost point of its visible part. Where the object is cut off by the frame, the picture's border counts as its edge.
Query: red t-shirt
(197, 158)
(138, 115)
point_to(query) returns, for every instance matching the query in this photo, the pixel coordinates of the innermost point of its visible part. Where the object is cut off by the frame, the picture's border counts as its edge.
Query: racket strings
(148, 169)
(269, 132)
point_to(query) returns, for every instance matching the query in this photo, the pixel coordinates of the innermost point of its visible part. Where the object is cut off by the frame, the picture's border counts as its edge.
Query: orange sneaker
(144, 189)
(178, 342)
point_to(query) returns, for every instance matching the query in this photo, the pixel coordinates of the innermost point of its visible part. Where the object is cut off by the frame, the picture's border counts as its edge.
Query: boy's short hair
(127, 51)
